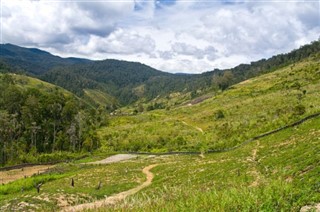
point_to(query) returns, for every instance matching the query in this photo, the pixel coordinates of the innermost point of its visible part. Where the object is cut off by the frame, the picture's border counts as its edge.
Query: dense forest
(42, 120)
(34, 61)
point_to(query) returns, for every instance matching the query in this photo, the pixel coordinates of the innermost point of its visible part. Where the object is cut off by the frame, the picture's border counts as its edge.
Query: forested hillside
(117, 78)
(124, 83)
(37, 117)
(33, 61)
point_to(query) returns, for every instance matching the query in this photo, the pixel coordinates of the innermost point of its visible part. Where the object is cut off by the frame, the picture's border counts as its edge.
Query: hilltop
(34, 61)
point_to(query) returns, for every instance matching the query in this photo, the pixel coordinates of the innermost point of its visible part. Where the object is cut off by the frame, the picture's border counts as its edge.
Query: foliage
(33, 61)
(41, 119)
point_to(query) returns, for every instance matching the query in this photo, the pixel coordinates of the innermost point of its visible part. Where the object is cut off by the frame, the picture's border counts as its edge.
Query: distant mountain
(115, 82)
(117, 78)
(34, 61)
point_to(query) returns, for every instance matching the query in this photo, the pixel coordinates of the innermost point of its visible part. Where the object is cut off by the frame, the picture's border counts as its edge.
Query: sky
(189, 36)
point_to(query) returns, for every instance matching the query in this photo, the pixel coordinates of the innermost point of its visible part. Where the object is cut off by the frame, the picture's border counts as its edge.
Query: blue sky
(171, 35)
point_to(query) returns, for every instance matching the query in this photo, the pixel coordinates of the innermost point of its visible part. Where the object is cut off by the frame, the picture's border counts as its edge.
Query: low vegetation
(229, 118)
(278, 172)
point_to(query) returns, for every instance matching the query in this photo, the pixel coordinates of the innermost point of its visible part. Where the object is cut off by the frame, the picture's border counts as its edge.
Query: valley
(122, 145)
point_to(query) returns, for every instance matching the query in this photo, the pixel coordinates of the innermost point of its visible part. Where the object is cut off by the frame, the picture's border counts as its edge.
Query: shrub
(219, 114)
(299, 110)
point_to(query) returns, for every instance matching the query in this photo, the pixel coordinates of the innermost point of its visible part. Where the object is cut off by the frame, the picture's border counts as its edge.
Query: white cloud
(187, 36)
(46, 23)
(119, 42)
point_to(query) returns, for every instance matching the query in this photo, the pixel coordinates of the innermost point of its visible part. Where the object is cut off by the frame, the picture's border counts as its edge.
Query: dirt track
(114, 159)
(117, 197)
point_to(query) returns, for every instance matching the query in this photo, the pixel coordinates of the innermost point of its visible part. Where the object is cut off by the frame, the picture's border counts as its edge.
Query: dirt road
(114, 159)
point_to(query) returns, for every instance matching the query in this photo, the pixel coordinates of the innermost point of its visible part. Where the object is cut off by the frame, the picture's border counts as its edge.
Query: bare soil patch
(15, 174)
(114, 159)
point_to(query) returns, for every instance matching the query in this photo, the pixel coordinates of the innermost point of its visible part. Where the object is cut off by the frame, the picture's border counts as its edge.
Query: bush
(299, 110)
(219, 114)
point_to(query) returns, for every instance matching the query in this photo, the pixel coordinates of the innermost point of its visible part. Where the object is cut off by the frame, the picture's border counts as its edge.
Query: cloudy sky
(190, 36)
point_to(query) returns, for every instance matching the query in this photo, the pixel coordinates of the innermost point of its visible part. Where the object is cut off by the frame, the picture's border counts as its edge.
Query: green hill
(276, 173)
(243, 111)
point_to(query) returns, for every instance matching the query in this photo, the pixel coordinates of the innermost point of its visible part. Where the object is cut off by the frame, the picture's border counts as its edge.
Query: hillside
(279, 172)
(32, 60)
(38, 118)
(243, 111)
(113, 77)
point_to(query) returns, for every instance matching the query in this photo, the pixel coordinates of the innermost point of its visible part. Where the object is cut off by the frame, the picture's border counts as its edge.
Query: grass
(276, 173)
(25, 82)
(97, 97)
(57, 191)
(243, 111)
(283, 175)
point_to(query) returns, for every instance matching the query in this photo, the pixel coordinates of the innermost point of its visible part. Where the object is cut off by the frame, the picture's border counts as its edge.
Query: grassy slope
(99, 98)
(250, 108)
(25, 82)
(58, 192)
(279, 172)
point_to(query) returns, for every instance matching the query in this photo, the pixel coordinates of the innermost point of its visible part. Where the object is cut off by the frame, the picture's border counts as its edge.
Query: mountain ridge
(131, 82)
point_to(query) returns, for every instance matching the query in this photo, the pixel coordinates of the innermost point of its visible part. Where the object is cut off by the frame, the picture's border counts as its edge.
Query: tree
(72, 132)
(224, 81)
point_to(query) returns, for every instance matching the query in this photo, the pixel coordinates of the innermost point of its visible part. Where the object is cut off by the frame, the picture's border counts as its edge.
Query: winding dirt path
(117, 197)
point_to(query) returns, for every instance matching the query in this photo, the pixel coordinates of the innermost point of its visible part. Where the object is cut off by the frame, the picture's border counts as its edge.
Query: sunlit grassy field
(245, 110)
(57, 190)
(276, 173)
